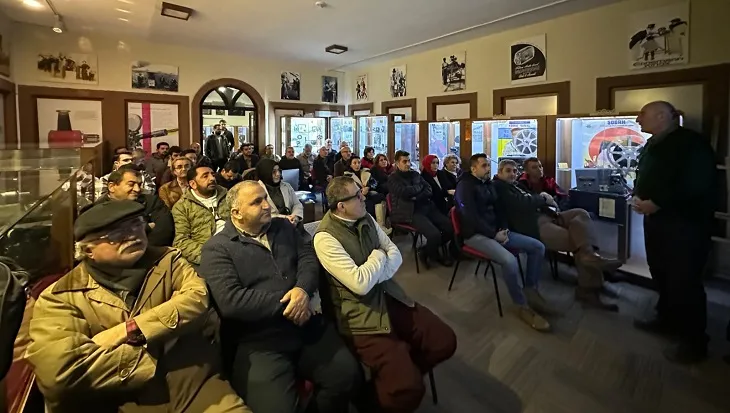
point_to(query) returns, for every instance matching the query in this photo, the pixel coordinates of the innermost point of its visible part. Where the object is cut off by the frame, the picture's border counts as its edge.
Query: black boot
(424, 257)
(684, 353)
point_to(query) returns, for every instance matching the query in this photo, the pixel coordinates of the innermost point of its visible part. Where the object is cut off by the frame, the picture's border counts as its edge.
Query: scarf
(426, 164)
(265, 172)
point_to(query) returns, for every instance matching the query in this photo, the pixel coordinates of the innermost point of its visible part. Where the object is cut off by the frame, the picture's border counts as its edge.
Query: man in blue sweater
(264, 278)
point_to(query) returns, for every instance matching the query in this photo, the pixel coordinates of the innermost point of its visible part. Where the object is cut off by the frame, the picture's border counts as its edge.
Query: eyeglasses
(358, 195)
(184, 167)
(124, 231)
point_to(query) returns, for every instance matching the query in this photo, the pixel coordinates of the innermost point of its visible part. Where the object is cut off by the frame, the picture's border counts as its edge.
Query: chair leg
(456, 268)
(477, 270)
(496, 287)
(434, 394)
(522, 273)
(553, 259)
(415, 251)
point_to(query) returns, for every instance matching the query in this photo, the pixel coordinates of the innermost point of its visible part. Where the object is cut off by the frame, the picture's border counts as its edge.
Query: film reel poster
(610, 142)
(516, 138)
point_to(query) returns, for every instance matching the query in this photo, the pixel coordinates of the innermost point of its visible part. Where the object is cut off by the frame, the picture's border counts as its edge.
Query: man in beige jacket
(129, 329)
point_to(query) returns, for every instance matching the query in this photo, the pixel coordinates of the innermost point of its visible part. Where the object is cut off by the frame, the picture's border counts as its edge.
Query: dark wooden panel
(401, 103)
(360, 106)
(560, 89)
(433, 102)
(7, 94)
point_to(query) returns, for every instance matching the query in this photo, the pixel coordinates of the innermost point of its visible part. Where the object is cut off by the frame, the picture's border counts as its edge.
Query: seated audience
(338, 155)
(156, 164)
(569, 231)
(108, 337)
(306, 158)
(374, 201)
(450, 173)
(321, 172)
(282, 199)
(264, 280)
(270, 154)
(368, 157)
(331, 154)
(410, 197)
(484, 228)
(172, 191)
(168, 176)
(534, 180)
(126, 158)
(289, 161)
(442, 198)
(381, 171)
(343, 163)
(200, 213)
(228, 177)
(124, 184)
(202, 159)
(247, 160)
(398, 339)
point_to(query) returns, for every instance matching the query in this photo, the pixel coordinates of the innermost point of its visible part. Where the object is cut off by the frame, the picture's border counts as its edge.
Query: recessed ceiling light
(124, 11)
(335, 49)
(123, 19)
(176, 11)
(33, 4)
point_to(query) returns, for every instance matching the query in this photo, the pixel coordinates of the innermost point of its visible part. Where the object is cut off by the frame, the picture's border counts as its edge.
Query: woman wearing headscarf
(281, 196)
(374, 201)
(442, 197)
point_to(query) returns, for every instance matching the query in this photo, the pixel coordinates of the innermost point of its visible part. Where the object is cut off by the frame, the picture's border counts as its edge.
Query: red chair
(408, 229)
(465, 250)
(516, 253)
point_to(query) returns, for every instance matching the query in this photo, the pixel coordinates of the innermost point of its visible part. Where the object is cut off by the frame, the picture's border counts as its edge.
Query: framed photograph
(361, 88)
(146, 75)
(329, 89)
(528, 60)
(290, 85)
(65, 67)
(4, 54)
(68, 122)
(220, 112)
(153, 123)
(453, 72)
(398, 81)
(659, 37)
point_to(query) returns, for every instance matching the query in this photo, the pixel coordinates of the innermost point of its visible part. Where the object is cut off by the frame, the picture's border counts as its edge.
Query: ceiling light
(176, 11)
(123, 11)
(33, 4)
(336, 49)
(59, 27)
(123, 19)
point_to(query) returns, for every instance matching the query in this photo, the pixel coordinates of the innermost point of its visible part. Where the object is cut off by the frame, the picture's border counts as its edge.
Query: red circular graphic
(616, 134)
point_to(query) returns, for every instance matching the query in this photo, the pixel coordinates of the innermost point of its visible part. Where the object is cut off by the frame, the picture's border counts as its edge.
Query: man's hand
(298, 308)
(365, 190)
(329, 178)
(501, 236)
(151, 225)
(451, 191)
(293, 219)
(111, 338)
(645, 207)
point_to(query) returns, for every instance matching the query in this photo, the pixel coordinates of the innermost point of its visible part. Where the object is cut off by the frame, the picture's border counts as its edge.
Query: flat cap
(104, 214)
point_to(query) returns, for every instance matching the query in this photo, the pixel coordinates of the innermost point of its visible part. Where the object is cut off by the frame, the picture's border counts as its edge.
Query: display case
(444, 138)
(499, 139)
(372, 131)
(406, 139)
(299, 131)
(242, 136)
(342, 129)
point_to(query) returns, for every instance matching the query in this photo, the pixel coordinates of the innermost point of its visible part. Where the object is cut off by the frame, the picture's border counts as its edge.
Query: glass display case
(505, 139)
(444, 138)
(242, 135)
(341, 129)
(372, 131)
(406, 139)
(299, 131)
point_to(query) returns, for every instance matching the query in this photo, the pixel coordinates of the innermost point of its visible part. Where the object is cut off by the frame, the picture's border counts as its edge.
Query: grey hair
(232, 198)
(337, 189)
(451, 156)
(506, 162)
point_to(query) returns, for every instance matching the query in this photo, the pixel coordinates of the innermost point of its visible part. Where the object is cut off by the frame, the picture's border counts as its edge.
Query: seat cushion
(474, 252)
(405, 227)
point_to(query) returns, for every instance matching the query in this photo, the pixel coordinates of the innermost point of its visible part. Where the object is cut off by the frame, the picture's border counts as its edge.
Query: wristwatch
(134, 334)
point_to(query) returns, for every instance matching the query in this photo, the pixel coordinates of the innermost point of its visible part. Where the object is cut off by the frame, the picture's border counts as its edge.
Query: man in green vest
(395, 337)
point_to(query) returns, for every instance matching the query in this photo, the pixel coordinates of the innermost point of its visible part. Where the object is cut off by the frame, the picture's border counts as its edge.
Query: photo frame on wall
(361, 88)
(68, 122)
(398, 81)
(4, 54)
(453, 72)
(290, 85)
(329, 89)
(146, 75)
(65, 67)
(528, 60)
(659, 37)
(151, 123)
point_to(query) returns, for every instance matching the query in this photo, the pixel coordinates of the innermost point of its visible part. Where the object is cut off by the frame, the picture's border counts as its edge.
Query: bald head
(658, 117)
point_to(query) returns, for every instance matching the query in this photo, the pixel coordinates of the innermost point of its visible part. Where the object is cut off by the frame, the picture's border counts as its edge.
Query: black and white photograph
(329, 89)
(65, 67)
(528, 60)
(146, 75)
(398, 81)
(361, 88)
(453, 72)
(290, 85)
(659, 37)
(4, 55)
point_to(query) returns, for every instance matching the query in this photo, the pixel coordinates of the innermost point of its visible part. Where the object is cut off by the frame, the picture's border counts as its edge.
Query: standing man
(216, 148)
(228, 135)
(678, 209)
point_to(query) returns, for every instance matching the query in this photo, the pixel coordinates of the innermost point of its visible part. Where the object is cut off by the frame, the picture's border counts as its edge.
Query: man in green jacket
(201, 213)
(395, 337)
(674, 190)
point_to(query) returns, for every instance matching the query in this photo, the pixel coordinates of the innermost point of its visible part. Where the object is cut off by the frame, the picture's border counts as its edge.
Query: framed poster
(659, 37)
(329, 89)
(398, 81)
(65, 67)
(290, 85)
(4, 54)
(151, 123)
(453, 72)
(528, 60)
(361, 88)
(146, 75)
(68, 123)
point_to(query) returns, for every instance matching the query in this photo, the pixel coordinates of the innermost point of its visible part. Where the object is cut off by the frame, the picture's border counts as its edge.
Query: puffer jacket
(195, 224)
(476, 204)
(408, 193)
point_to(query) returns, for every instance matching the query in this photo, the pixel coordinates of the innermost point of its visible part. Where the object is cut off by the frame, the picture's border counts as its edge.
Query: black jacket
(409, 193)
(155, 211)
(519, 208)
(447, 179)
(382, 178)
(225, 183)
(341, 167)
(441, 199)
(216, 148)
(476, 203)
(243, 165)
(247, 295)
(320, 170)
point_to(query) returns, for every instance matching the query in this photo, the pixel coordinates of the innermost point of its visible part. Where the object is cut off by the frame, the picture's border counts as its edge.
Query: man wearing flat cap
(129, 328)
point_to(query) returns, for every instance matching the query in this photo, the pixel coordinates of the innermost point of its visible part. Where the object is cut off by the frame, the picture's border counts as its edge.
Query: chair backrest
(455, 221)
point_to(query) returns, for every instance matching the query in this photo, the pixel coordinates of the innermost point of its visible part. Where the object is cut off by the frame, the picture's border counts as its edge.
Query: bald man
(674, 191)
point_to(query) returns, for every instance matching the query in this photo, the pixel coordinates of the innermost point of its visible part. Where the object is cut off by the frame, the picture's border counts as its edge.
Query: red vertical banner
(147, 127)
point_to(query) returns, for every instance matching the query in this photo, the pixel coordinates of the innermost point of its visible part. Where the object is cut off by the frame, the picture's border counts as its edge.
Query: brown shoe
(537, 302)
(592, 298)
(533, 319)
(597, 261)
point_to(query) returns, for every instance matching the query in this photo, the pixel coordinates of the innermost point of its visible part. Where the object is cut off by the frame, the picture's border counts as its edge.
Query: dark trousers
(418, 342)
(371, 200)
(435, 226)
(266, 380)
(677, 251)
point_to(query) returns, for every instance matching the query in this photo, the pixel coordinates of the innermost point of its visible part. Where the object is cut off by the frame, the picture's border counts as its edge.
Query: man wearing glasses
(129, 328)
(172, 191)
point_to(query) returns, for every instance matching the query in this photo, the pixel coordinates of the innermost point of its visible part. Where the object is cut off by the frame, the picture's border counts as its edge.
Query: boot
(593, 259)
(380, 215)
(592, 298)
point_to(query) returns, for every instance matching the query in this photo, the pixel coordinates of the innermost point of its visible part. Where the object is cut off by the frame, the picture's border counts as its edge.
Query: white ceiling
(296, 29)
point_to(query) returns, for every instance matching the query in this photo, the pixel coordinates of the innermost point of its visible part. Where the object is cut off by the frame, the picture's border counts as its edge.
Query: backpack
(14, 290)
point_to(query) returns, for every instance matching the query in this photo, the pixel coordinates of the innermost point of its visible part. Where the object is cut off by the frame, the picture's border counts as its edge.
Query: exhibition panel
(444, 138)
(341, 129)
(406, 139)
(507, 138)
(372, 131)
(299, 131)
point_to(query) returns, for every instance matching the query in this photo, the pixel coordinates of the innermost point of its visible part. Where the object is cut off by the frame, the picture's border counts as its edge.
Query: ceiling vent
(176, 11)
(335, 49)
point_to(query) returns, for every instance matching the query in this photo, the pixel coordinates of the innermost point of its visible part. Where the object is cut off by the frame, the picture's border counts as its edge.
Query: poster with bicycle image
(528, 60)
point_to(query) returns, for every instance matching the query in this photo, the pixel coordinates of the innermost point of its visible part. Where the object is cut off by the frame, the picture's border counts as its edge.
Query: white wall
(197, 66)
(580, 48)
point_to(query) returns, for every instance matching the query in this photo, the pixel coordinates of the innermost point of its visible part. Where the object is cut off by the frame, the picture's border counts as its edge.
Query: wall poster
(64, 123)
(151, 123)
(329, 89)
(361, 88)
(290, 85)
(659, 37)
(4, 55)
(68, 68)
(146, 75)
(528, 60)
(398, 81)
(515, 138)
(453, 72)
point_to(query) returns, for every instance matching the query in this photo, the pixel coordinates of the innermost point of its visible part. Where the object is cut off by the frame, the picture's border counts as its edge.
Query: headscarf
(265, 172)
(426, 164)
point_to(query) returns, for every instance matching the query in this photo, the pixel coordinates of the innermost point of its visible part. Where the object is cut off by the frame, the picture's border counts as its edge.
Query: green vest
(358, 314)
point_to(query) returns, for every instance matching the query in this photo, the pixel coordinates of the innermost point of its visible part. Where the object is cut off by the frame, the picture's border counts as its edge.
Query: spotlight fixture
(33, 4)
(59, 27)
(335, 49)
(176, 11)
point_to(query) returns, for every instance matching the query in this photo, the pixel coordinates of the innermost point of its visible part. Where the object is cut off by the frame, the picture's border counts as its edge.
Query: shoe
(655, 326)
(423, 256)
(595, 260)
(592, 299)
(537, 302)
(686, 354)
(532, 319)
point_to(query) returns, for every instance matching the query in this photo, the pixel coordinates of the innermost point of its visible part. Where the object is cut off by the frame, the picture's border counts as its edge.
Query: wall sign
(528, 60)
